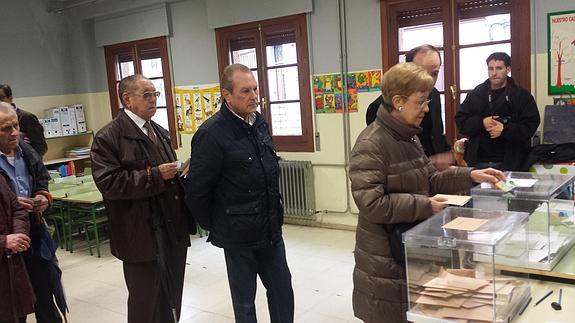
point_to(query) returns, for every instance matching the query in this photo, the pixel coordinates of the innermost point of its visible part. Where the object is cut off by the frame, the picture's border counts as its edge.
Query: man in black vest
(233, 191)
(431, 137)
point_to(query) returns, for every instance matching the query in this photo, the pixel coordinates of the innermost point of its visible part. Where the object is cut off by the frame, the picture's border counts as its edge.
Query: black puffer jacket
(232, 188)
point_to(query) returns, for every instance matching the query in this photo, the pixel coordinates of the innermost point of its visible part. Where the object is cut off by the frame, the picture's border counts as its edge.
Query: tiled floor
(321, 262)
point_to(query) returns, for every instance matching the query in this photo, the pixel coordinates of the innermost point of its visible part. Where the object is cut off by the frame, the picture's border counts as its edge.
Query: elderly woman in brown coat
(16, 294)
(392, 181)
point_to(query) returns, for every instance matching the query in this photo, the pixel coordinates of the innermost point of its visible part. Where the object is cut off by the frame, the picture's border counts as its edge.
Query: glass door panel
(282, 54)
(485, 29)
(286, 119)
(473, 68)
(413, 36)
(283, 84)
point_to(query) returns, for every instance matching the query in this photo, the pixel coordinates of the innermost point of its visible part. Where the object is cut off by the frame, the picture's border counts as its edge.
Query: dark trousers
(40, 271)
(147, 301)
(244, 265)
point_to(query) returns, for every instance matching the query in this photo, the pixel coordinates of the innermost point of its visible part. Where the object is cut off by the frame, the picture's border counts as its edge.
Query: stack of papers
(458, 295)
(77, 152)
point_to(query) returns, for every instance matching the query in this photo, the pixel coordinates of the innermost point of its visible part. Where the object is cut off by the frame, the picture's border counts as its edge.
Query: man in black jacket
(233, 191)
(431, 136)
(30, 128)
(28, 178)
(499, 118)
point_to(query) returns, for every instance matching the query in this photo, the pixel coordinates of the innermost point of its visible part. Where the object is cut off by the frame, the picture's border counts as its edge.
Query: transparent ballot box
(452, 266)
(548, 199)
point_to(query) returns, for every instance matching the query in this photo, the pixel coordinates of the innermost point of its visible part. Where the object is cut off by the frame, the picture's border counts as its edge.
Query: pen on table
(525, 306)
(543, 298)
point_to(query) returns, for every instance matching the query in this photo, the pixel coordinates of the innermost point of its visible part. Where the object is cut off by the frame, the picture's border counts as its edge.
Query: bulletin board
(561, 54)
(194, 106)
(328, 90)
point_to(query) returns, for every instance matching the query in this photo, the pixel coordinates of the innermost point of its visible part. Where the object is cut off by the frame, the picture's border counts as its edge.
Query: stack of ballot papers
(457, 295)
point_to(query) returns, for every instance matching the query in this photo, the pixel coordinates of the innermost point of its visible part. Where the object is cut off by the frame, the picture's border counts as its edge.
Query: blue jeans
(244, 265)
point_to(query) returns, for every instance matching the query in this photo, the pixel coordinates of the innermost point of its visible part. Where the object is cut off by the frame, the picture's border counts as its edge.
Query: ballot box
(548, 198)
(452, 266)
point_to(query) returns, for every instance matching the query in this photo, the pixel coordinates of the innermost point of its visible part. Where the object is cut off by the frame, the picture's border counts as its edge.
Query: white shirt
(137, 120)
(251, 117)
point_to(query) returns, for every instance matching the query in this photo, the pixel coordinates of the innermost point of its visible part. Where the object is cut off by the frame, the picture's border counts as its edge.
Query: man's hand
(168, 170)
(442, 161)
(40, 203)
(488, 123)
(496, 130)
(493, 126)
(487, 175)
(437, 204)
(27, 203)
(17, 242)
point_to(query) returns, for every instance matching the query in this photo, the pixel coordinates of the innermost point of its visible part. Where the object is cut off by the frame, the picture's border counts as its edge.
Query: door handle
(263, 103)
(453, 89)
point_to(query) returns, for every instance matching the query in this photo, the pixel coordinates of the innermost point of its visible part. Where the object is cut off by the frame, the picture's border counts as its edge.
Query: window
(465, 32)
(276, 51)
(148, 57)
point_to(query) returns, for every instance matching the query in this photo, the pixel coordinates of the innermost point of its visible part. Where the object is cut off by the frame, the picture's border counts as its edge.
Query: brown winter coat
(391, 180)
(13, 219)
(125, 170)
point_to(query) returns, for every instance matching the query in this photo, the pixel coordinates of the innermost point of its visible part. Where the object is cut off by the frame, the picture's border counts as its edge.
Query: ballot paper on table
(465, 224)
(458, 200)
(522, 182)
(510, 183)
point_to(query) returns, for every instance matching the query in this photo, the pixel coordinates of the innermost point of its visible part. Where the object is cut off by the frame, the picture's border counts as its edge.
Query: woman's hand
(437, 204)
(17, 242)
(487, 175)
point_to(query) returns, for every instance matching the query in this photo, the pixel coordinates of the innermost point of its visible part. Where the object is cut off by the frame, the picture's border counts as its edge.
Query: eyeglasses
(149, 95)
(421, 104)
(425, 103)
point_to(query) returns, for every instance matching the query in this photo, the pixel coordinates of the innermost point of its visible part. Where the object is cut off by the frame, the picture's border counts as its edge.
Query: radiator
(297, 188)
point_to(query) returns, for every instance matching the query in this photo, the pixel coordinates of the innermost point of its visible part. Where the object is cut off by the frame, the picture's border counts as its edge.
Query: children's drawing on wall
(328, 90)
(195, 105)
(179, 118)
(561, 55)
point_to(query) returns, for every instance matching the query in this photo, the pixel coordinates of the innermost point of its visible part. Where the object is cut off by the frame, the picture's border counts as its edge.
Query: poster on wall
(194, 106)
(561, 52)
(330, 97)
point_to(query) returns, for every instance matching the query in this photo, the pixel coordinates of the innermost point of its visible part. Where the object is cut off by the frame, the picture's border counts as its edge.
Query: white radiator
(297, 188)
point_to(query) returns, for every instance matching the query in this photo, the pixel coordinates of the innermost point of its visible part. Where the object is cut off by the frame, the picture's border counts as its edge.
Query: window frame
(257, 29)
(134, 48)
(520, 44)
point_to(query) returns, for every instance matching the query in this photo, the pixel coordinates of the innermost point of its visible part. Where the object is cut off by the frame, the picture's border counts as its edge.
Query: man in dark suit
(432, 137)
(30, 128)
(134, 166)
